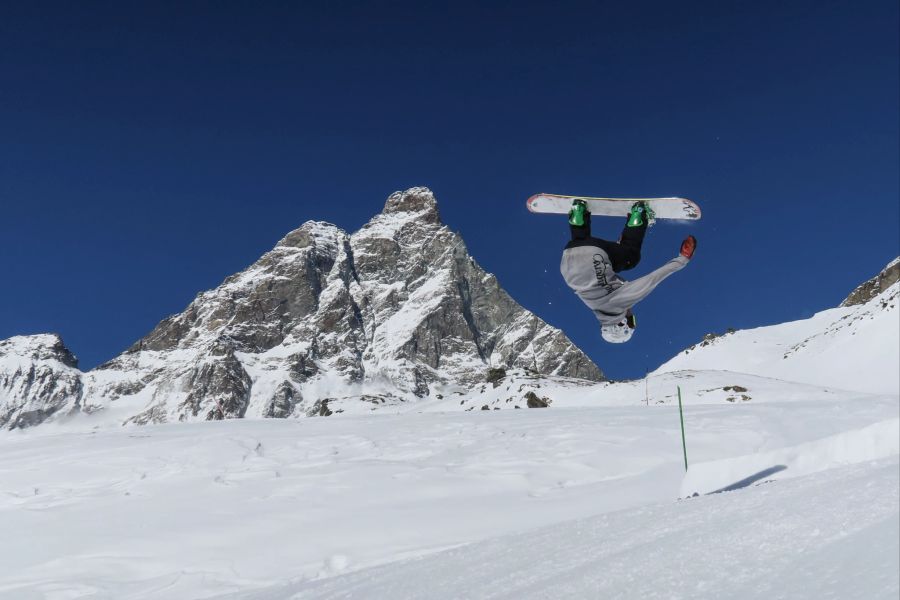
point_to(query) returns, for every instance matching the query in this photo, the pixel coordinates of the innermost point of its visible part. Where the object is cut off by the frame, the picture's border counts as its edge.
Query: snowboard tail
(664, 208)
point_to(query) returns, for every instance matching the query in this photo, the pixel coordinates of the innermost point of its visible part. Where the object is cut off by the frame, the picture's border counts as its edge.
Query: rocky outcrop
(875, 286)
(397, 310)
(283, 402)
(219, 386)
(532, 400)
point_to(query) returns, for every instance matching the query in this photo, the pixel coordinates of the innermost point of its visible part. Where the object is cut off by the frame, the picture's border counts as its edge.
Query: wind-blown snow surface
(803, 539)
(578, 500)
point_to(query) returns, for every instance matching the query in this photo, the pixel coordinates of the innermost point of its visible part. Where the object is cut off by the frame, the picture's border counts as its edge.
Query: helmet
(621, 332)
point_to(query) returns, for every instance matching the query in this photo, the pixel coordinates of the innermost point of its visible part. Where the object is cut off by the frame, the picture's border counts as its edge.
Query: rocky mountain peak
(41, 347)
(878, 284)
(312, 233)
(38, 378)
(322, 323)
(414, 200)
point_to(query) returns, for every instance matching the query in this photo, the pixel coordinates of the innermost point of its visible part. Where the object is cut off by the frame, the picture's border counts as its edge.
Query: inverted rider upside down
(591, 268)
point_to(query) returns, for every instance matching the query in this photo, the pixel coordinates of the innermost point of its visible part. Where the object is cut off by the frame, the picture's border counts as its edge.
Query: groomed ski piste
(792, 491)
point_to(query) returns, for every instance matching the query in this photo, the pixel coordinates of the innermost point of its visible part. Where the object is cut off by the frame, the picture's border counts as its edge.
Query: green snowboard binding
(577, 212)
(641, 213)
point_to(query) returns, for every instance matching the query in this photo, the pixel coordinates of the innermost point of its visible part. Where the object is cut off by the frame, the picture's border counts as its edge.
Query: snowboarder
(591, 265)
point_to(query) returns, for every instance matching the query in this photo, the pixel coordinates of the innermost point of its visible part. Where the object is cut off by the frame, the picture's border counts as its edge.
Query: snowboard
(665, 208)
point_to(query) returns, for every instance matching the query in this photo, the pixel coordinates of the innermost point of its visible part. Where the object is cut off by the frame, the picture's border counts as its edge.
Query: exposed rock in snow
(878, 284)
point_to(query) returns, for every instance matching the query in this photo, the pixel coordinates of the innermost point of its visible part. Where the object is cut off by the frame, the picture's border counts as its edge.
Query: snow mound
(874, 442)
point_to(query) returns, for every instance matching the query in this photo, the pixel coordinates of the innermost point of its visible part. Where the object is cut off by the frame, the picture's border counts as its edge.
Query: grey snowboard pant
(589, 272)
(615, 304)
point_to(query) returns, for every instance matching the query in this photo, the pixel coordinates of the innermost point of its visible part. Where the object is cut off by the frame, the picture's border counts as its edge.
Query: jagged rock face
(39, 377)
(394, 311)
(429, 312)
(257, 307)
(283, 402)
(878, 284)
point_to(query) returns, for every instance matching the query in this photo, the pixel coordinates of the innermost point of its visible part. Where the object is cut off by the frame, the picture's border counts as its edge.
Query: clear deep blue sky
(148, 150)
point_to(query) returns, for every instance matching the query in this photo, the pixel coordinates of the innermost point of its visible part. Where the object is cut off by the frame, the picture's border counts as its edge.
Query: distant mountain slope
(395, 312)
(855, 346)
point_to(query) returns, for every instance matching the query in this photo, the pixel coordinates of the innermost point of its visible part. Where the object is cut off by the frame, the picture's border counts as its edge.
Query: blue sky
(148, 150)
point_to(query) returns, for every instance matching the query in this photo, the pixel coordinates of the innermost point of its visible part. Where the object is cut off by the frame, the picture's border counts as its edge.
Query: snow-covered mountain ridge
(37, 374)
(394, 312)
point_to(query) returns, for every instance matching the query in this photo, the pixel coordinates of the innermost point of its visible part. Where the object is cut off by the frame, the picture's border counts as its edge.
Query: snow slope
(834, 535)
(272, 508)
(855, 348)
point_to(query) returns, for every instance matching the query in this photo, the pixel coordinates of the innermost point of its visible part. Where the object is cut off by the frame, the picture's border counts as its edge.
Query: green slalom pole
(681, 416)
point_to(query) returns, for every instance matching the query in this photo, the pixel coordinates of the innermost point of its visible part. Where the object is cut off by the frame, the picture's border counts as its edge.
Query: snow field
(833, 535)
(276, 508)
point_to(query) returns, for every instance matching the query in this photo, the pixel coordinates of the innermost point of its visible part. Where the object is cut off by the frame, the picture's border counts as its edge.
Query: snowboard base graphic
(665, 208)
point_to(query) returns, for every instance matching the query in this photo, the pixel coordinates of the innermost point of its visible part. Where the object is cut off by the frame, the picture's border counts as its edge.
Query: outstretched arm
(634, 291)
